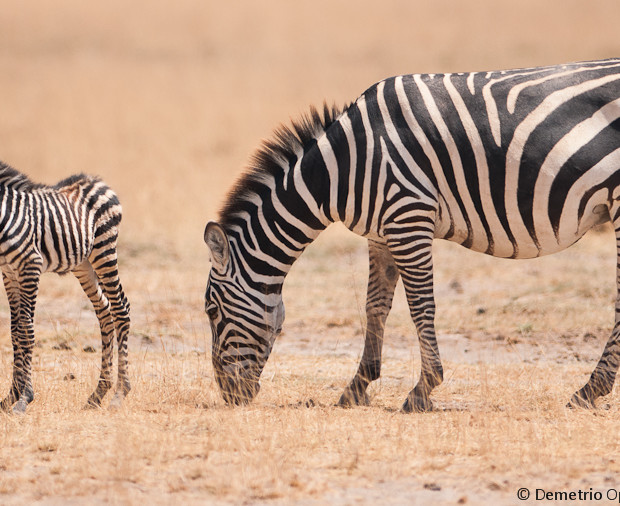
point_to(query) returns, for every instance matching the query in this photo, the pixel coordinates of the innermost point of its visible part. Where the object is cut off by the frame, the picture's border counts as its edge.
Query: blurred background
(167, 100)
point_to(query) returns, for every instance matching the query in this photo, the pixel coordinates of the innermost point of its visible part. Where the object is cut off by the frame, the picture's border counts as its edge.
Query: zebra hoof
(351, 397)
(417, 404)
(117, 402)
(579, 401)
(20, 407)
(93, 402)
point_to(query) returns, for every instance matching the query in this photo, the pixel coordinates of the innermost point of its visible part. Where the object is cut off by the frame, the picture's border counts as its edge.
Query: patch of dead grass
(500, 422)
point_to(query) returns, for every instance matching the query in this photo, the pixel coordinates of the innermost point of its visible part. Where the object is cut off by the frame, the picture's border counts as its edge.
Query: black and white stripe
(69, 227)
(515, 164)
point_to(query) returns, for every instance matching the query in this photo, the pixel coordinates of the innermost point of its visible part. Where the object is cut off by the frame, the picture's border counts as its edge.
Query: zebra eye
(212, 311)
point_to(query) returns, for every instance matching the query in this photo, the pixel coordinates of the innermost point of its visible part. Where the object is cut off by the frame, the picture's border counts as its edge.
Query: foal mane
(283, 149)
(11, 178)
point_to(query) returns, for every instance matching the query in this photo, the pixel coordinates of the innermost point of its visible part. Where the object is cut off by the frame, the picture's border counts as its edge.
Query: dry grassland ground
(166, 101)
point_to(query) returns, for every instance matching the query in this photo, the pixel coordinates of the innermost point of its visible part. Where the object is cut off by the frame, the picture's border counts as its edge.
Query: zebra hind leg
(105, 263)
(602, 380)
(382, 278)
(92, 288)
(12, 292)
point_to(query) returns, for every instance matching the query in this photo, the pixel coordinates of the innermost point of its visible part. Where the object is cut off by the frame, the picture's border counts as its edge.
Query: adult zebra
(69, 227)
(514, 164)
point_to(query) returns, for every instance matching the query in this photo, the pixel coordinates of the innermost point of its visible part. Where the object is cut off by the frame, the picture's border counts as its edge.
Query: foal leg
(602, 379)
(28, 281)
(12, 292)
(105, 264)
(382, 278)
(90, 284)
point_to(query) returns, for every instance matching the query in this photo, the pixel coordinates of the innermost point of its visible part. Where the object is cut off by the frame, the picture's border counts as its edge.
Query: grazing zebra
(514, 164)
(69, 227)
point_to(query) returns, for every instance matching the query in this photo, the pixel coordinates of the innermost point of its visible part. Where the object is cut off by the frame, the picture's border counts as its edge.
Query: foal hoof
(93, 402)
(116, 403)
(119, 396)
(419, 404)
(20, 407)
(351, 397)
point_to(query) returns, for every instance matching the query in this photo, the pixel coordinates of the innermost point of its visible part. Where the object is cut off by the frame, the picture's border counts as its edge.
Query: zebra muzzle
(238, 391)
(239, 388)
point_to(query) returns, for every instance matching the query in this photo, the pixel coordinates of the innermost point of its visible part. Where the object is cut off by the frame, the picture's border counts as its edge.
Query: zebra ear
(217, 241)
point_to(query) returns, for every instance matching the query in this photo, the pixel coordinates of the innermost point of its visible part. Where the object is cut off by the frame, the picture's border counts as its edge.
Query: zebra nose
(239, 391)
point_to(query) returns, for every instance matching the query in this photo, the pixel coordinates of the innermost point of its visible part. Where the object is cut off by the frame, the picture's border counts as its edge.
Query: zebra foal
(515, 164)
(69, 227)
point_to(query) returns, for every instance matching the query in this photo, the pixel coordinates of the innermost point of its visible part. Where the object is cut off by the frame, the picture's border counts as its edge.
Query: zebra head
(245, 321)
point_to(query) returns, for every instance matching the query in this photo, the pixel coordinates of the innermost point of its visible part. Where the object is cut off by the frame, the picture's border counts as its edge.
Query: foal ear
(217, 241)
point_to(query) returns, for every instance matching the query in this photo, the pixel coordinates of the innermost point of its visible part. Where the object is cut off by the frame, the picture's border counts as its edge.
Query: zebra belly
(544, 238)
(62, 250)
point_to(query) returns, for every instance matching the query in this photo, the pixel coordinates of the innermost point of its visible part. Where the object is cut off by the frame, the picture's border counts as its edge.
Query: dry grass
(501, 424)
(166, 103)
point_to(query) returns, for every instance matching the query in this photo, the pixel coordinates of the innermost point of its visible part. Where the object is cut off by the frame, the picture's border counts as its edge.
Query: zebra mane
(11, 178)
(76, 178)
(287, 144)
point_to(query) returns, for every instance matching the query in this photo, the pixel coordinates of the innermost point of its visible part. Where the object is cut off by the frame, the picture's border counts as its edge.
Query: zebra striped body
(515, 164)
(69, 227)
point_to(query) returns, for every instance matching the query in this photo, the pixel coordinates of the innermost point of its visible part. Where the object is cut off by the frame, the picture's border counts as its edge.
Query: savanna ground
(166, 101)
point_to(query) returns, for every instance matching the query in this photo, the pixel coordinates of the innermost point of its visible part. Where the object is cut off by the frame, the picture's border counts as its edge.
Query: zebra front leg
(603, 377)
(90, 284)
(12, 292)
(28, 281)
(105, 265)
(382, 278)
(422, 309)
(412, 253)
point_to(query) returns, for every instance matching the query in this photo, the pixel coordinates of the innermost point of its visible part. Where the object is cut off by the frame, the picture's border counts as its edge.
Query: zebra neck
(288, 198)
(263, 249)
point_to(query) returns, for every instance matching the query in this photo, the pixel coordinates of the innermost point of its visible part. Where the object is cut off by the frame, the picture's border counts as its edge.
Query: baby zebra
(72, 226)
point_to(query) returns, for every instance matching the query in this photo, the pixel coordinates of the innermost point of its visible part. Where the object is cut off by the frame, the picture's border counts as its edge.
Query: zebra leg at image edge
(12, 292)
(92, 288)
(105, 265)
(28, 283)
(602, 378)
(413, 256)
(382, 279)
